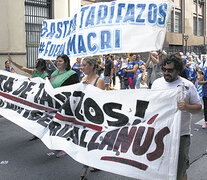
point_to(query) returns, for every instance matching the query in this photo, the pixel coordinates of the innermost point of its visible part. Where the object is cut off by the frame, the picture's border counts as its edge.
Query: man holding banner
(189, 103)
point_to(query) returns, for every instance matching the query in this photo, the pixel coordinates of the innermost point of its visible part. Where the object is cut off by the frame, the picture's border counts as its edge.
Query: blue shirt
(130, 66)
(204, 72)
(139, 70)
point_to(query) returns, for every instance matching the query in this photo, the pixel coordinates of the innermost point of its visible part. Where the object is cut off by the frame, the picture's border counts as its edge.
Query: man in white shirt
(171, 67)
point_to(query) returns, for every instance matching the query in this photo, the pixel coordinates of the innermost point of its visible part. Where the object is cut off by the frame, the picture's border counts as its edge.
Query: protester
(113, 58)
(8, 67)
(120, 72)
(189, 104)
(131, 69)
(124, 61)
(77, 67)
(100, 69)
(153, 62)
(123, 65)
(140, 71)
(203, 63)
(39, 71)
(203, 81)
(191, 68)
(90, 70)
(108, 71)
(63, 76)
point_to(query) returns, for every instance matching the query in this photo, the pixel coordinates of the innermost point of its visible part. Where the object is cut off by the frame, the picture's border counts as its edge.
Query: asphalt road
(21, 159)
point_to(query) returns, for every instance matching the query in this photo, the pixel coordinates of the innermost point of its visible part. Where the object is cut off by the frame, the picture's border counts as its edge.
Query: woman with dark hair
(8, 67)
(63, 76)
(39, 71)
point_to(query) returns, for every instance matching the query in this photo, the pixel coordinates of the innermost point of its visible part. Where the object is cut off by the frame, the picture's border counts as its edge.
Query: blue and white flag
(104, 28)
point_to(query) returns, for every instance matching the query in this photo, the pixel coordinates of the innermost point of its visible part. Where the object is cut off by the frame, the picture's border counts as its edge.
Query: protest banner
(134, 131)
(105, 28)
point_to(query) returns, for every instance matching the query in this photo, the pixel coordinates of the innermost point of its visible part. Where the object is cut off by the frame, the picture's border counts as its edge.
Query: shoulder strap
(96, 81)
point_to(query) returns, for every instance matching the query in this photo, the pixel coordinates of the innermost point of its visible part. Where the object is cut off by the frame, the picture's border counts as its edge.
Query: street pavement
(198, 151)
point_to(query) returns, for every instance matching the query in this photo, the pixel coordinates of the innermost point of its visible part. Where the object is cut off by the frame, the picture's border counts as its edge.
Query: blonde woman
(90, 66)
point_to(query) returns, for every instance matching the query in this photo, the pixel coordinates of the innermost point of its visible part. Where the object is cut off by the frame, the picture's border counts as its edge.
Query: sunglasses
(167, 70)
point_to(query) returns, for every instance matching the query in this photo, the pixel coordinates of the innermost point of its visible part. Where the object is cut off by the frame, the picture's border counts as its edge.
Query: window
(35, 12)
(170, 23)
(178, 24)
(200, 27)
(195, 26)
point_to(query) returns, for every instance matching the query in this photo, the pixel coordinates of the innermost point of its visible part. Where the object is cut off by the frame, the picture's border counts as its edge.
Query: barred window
(35, 12)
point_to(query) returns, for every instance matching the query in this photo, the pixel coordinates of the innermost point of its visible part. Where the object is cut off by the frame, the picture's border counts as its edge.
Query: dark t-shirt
(71, 80)
(108, 66)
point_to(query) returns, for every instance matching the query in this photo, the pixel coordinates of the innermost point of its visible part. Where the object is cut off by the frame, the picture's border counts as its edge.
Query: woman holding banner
(63, 76)
(39, 71)
(90, 66)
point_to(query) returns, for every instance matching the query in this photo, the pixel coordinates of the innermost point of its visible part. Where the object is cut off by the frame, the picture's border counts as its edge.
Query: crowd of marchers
(159, 71)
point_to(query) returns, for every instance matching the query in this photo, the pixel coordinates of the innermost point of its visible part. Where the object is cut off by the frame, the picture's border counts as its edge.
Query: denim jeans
(138, 80)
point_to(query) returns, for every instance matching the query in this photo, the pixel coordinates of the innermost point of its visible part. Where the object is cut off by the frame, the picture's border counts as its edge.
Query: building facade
(21, 26)
(186, 30)
(21, 22)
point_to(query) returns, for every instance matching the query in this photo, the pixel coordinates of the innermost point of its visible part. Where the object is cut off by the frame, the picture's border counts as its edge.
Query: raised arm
(154, 59)
(29, 71)
(148, 61)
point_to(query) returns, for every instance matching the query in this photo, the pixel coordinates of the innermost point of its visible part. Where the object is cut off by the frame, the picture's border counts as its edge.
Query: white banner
(134, 133)
(104, 28)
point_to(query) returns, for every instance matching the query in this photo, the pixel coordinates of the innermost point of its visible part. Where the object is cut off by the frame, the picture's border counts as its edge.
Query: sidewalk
(197, 170)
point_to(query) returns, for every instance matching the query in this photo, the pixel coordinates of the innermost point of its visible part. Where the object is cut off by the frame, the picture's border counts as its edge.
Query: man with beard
(189, 104)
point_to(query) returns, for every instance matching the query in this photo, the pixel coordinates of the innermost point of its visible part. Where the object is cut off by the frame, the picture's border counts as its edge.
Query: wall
(12, 33)
(65, 8)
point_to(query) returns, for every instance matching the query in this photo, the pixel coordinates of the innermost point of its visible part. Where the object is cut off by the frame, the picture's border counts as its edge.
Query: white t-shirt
(124, 63)
(190, 96)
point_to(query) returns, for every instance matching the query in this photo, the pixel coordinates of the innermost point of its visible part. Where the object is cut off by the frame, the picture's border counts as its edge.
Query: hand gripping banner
(134, 133)
(122, 26)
